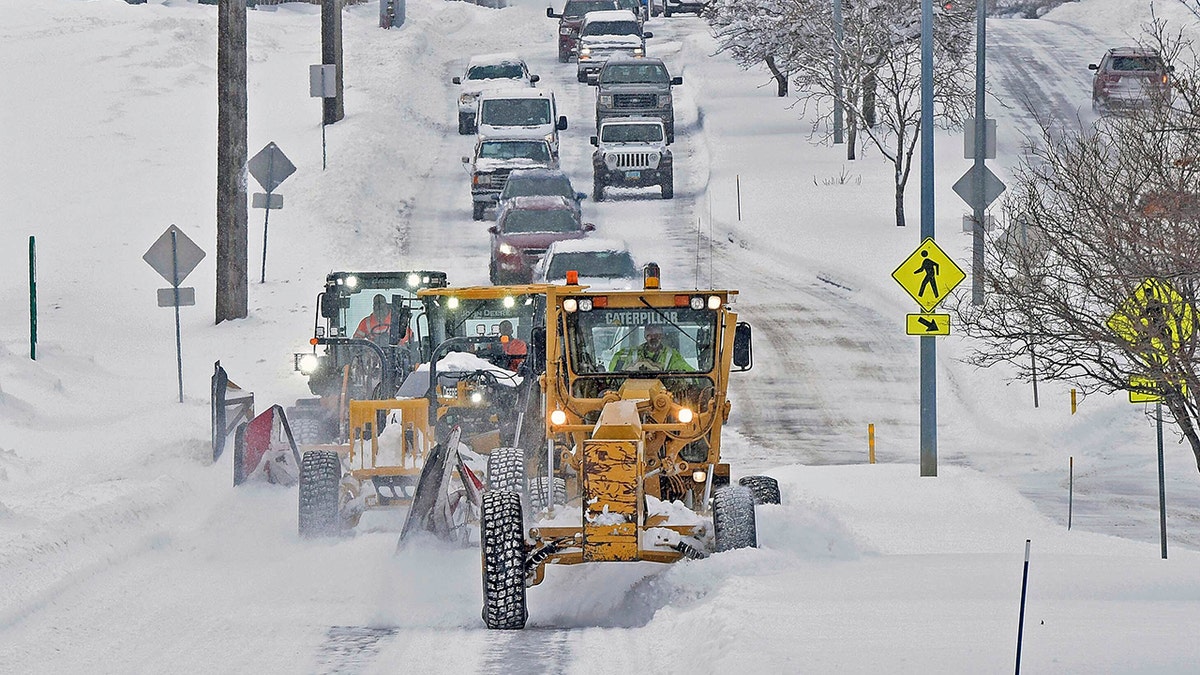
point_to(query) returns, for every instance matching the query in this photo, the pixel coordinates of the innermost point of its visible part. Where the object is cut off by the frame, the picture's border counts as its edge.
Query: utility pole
(232, 229)
(838, 38)
(331, 54)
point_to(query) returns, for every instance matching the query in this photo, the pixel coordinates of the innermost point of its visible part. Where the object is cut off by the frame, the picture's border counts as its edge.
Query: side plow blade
(265, 450)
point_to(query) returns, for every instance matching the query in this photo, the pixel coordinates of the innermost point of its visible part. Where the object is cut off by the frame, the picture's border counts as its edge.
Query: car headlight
(637, 51)
(550, 138)
(664, 100)
(585, 53)
(610, 160)
(564, 31)
(483, 179)
(308, 364)
(606, 100)
(654, 157)
(507, 249)
(466, 98)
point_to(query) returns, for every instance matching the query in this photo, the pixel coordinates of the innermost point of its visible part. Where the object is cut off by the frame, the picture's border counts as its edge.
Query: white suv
(519, 113)
(485, 72)
(632, 152)
(605, 33)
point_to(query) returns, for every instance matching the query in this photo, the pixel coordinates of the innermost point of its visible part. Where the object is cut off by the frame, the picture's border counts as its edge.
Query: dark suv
(630, 87)
(569, 21)
(1129, 77)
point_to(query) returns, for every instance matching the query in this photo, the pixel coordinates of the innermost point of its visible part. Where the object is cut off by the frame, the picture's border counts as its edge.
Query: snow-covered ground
(122, 549)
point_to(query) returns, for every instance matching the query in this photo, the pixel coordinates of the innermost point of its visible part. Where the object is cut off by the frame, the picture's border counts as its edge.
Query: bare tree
(754, 32)
(1095, 279)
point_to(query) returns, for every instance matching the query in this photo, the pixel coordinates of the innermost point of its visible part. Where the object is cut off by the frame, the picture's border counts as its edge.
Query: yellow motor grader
(635, 394)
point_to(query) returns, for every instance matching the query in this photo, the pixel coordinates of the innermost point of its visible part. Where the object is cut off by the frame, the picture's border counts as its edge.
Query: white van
(519, 113)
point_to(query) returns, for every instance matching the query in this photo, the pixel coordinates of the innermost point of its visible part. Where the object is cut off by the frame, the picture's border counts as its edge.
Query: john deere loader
(634, 396)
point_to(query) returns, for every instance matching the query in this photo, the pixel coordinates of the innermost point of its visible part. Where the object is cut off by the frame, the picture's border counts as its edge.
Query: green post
(32, 299)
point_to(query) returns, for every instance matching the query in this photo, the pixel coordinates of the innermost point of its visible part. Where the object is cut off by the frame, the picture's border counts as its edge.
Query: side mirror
(580, 196)
(494, 230)
(677, 80)
(647, 35)
(496, 198)
(536, 350)
(589, 227)
(457, 80)
(593, 79)
(533, 79)
(550, 13)
(1093, 66)
(1170, 69)
(743, 355)
(328, 305)
(594, 141)
(466, 160)
(562, 123)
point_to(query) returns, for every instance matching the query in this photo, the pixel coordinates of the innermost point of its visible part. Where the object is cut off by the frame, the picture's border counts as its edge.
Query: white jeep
(632, 152)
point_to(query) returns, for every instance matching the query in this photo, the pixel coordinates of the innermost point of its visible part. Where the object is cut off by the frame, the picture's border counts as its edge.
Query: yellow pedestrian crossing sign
(1154, 320)
(1145, 390)
(928, 275)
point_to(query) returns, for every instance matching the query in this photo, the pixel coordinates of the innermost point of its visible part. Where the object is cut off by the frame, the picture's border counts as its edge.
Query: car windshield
(597, 264)
(616, 340)
(515, 112)
(537, 151)
(550, 185)
(612, 28)
(634, 6)
(631, 133)
(1137, 63)
(539, 220)
(577, 8)
(615, 73)
(496, 71)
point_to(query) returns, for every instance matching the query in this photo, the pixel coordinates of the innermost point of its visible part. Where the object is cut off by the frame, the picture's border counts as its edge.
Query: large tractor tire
(320, 475)
(764, 488)
(502, 541)
(506, 470)
(733, 518)
(537, 493)
(308, 430)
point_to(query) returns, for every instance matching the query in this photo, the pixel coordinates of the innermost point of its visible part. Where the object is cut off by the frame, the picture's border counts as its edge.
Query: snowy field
(123, 549)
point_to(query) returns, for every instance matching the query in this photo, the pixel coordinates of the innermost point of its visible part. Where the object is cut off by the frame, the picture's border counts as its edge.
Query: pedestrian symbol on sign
(930, 270)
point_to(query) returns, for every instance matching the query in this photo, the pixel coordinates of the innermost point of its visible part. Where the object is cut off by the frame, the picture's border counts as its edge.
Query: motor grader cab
(344, 364)
(402, 452)
(632, 442)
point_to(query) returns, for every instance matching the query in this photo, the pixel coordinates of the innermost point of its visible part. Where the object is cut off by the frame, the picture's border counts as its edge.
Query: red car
(524, 229)
(1129, 77)
(569, 21)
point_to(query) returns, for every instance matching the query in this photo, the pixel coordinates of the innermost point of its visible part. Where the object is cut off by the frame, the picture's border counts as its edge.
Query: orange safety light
(600, 301)
(650, 276)
(312, 341)
(681, 300)
(572, 277)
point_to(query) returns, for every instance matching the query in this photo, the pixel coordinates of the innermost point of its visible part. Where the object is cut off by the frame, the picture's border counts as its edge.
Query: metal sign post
(174, 256)
(32, 299)
(322, 84)
(270, 167)
(928, 343)
(1162, 487)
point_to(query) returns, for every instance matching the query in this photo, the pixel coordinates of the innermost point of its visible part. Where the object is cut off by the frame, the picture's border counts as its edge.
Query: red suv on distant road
(1129, 77)
(569, 21)
(524, 229)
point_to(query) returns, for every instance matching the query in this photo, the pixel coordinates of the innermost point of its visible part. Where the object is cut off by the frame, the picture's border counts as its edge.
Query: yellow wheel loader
(634, 393)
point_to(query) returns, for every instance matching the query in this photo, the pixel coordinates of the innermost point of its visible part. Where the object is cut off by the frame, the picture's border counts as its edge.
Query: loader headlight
(570, 305)
(452, 302)
(352, 282)
(585, 304)
(476, 397)
(558, 417)
(308, 364)
(509, 302)
(696, 302)
(699, 475)
(685, 415)
(414, 280)
(714, 302)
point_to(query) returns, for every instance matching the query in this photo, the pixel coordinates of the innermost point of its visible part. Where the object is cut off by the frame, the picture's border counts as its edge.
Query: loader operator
(377, 326)
(514, 346)
(654, 352)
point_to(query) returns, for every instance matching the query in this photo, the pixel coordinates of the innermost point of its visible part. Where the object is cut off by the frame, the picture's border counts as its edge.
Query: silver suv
(628, 87)
(632, 152)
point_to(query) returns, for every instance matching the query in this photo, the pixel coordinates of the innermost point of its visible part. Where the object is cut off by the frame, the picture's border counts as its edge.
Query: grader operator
(635, 395)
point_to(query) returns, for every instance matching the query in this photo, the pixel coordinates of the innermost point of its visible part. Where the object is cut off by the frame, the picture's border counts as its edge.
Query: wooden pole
(232, 228)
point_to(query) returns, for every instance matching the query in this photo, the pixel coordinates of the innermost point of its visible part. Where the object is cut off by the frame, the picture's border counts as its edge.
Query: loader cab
(346, 303)
(483, 315)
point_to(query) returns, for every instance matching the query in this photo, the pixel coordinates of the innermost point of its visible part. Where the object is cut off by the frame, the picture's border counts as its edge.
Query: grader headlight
(699, 475)
(570, 305)
(685, 415)
(558, 417)
(307, 363)
(714, 302)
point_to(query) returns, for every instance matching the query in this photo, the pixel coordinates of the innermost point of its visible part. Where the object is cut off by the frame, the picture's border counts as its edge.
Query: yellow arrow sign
(1147, 385)
(928, 324)
(1155, 320)
(928, 275)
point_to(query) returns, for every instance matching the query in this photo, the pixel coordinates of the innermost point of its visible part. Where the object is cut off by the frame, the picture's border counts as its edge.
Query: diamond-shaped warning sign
(928, 275)
(187, 256)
